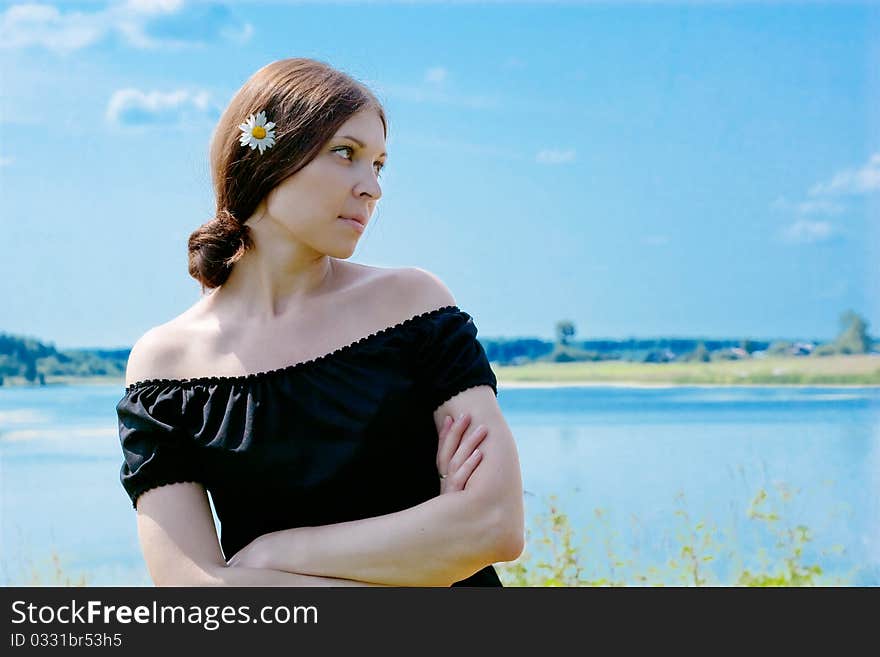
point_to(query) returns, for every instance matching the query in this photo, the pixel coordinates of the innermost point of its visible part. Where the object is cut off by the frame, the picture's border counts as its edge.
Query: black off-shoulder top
(345, 436)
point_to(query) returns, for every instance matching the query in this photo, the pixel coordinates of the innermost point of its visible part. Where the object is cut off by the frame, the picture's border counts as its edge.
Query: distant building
(659, 356)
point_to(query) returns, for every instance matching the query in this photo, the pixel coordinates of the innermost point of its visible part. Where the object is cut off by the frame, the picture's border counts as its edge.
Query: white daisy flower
(256, 133)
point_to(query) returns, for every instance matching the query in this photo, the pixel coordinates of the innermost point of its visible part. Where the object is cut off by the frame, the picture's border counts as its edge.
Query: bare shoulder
(153, 356)
(402, 292)
(418, 289)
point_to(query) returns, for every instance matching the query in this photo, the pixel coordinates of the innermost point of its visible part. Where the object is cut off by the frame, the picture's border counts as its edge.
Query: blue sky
(642, 169)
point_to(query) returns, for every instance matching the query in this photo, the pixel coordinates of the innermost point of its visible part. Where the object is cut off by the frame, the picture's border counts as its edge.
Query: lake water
(641, 456)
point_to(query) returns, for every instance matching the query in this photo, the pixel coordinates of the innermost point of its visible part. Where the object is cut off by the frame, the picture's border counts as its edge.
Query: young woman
(310, 395)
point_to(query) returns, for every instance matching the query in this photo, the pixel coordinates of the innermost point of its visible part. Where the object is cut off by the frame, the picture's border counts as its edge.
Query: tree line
(853, 338)
(28, 358)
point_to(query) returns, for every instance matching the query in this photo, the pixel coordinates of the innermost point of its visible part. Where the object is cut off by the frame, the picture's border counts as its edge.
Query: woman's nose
(370, 186)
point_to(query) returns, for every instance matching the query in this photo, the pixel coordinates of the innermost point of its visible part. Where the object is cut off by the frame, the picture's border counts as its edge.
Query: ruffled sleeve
(155, 449)
(450, 358)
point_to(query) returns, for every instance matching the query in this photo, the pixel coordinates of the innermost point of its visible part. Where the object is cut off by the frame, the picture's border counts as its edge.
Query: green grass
(702, 555)
(49, 572)
(807, 370)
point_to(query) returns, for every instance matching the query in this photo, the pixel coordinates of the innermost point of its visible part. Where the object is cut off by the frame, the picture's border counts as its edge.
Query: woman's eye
(344, 148)
(349, 148)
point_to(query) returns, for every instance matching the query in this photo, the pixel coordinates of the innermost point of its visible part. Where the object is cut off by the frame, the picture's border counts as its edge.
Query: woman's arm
(436, 543)
(180, 545)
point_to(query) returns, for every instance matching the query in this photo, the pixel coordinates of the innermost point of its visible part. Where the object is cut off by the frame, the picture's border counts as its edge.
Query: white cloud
(863, 180)
(805, 231)
(6, 161)
(655, 240)
(240, 35)
(816, 206)
(826, 199)
(551, 156)
(139, 23)
(819, 206)
(436, 75)
(155, 6)
(45, 26)
(133, 107)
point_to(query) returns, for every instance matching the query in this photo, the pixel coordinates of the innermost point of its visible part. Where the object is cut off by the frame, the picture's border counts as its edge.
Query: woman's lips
(358, 226)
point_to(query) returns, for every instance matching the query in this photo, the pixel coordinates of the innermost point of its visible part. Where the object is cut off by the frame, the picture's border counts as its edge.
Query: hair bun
(214, 247)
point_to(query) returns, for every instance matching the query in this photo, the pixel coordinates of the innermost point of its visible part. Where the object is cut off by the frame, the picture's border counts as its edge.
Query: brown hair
(308, 101)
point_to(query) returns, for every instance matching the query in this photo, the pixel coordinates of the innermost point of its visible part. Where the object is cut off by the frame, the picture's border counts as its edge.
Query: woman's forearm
(241, 576)
(435, 543)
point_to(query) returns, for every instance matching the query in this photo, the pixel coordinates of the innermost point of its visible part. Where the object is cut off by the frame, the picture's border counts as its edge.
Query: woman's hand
(458, 456)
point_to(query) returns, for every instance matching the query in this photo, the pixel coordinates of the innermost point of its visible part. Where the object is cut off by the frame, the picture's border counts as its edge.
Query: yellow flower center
(259, 131)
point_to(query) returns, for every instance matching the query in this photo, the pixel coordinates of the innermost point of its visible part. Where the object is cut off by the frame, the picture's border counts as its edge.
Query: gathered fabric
(344, 436)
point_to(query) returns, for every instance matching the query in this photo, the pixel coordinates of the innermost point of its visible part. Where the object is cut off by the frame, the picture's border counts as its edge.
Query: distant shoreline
(89, 380)
(643, 384)
(856, 370)
(840, 371)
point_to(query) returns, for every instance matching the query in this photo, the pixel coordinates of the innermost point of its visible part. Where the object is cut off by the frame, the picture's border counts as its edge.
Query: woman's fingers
(467, 447)
(457, 454)
(450, 439)
(459, 478)
(467, 468)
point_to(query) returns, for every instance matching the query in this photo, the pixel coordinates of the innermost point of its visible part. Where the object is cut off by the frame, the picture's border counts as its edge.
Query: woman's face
(342, 180)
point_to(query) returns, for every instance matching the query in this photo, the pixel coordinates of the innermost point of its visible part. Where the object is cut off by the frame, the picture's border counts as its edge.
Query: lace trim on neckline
(289, 368)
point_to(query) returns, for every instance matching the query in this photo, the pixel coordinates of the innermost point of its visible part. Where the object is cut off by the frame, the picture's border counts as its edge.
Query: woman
(310, 395)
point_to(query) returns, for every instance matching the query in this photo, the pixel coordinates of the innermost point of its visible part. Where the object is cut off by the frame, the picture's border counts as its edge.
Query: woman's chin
(342, 251)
